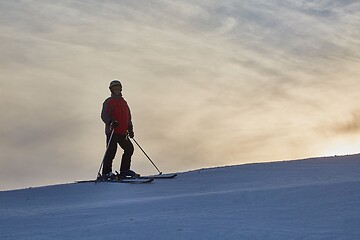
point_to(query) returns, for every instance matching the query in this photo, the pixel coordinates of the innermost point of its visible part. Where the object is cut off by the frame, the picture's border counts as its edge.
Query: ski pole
(107, 147)
(147, 156)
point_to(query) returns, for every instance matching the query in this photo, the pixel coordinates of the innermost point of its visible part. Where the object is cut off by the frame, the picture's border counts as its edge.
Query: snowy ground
(308, 199)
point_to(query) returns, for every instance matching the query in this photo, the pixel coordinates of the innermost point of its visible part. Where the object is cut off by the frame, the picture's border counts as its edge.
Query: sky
(209, 83)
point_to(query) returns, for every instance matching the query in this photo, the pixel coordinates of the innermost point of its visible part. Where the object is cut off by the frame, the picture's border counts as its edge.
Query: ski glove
(131, 133)
(114, 124)
(130, 130)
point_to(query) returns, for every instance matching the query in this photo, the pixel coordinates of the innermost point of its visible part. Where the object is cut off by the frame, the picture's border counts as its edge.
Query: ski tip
(163, 176)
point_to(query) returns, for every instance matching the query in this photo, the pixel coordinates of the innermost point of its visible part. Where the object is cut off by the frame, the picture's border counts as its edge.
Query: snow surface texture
(305, 199)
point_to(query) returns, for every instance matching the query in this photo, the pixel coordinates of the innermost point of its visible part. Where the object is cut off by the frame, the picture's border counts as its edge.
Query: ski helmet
(115, 83)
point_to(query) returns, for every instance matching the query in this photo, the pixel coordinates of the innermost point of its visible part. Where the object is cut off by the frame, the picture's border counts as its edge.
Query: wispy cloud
(209, 83)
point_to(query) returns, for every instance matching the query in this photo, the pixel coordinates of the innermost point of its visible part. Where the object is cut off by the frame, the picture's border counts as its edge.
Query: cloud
(346, 125)
(209, 83)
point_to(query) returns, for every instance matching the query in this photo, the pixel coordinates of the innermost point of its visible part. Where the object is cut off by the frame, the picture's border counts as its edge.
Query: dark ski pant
(126, 145)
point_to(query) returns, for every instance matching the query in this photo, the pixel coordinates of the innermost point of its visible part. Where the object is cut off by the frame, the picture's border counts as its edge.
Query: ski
(159, 176)
(126, 180)
(135, 180)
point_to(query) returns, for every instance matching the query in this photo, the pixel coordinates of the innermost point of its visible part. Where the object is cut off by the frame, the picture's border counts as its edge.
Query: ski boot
(127, 174)
(107, 177)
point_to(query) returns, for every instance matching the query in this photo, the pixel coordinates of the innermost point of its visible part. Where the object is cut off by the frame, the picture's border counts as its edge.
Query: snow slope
(304, 199)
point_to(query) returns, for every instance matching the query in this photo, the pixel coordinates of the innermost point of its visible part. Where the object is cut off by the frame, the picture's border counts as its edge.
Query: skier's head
(115, 87)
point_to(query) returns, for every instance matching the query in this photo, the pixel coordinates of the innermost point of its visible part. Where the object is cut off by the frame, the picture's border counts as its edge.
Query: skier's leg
(128, 148)
(110, 154)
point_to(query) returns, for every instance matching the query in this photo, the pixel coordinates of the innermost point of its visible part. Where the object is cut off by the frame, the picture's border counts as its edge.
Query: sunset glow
(209, 83)
(342, 147)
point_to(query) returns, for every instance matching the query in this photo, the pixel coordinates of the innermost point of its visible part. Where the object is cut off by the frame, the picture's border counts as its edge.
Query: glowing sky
(210, 83)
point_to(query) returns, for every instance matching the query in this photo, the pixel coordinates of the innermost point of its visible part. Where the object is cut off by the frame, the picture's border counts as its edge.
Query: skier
(116, 116)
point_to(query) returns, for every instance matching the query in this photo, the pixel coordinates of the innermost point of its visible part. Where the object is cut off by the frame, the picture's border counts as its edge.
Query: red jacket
(115, 108)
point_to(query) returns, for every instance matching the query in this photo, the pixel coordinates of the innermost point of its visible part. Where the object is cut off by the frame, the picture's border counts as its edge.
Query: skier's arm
(130, 126)
(105, 116)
